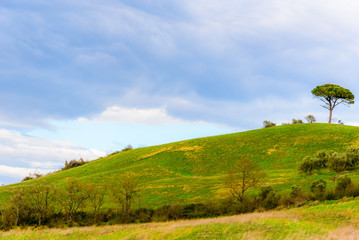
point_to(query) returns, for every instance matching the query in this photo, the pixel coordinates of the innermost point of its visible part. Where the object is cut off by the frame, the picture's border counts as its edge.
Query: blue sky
(85, 78)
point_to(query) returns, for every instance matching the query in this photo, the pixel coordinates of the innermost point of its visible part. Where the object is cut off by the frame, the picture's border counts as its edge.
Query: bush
(267, 124)
(297, 121)
(269, 198)
(127, 148)
(296, 191)
(308, 165)
(352, 190)
(143, 215)
(352, 157)
(337, 162)
(265, 190)
(74, 163)
(297, 195)
(285, 200)
(27, 178)
(318, 188)
(331, 195)
(343, 182)
(32, 176)
(322, 158)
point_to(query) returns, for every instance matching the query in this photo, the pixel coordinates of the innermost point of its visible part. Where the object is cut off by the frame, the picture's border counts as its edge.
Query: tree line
(338, 162)
(45, 203)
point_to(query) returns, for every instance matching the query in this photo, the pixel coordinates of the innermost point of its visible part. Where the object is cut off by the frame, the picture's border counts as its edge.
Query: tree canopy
(332, 95)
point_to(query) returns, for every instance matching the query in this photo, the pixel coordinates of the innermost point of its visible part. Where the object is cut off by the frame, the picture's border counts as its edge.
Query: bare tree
(41, 200)
(74, 197)
(18, 205)
(125, 191)
(244, 175)
(96, 196)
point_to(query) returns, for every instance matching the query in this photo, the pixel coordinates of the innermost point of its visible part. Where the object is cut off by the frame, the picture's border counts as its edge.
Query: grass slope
(191, 171)
(328, 220)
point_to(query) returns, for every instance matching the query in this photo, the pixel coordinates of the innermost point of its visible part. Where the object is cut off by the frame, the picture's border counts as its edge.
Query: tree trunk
(330, 115)
(17, 215)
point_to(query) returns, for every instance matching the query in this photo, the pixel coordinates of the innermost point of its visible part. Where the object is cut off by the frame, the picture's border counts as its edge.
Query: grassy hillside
(191, 171)
(328, 220)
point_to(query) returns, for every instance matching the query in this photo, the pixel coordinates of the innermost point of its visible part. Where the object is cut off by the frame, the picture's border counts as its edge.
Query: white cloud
(243, 115)
(20, 154)
(123, 115)
(18, 172)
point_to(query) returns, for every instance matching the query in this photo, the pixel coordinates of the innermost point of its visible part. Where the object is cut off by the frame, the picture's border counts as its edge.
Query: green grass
(326, 220)
(191, 171)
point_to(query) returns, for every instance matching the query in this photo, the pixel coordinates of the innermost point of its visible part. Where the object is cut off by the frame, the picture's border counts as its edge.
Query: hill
(191, 171)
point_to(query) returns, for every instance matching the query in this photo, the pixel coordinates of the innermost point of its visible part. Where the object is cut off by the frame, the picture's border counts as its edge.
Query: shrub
(353, 190)
(297, 195)
(127, 148)
(322, 158)
(352, 157)
(265, 190)
(308, 165)
(269, 198)
(74, 163)
(296, 191)
(267, 124)
(330, 195)
(27, 178)
(32, 176)
(343, 182)
(318, 188)
(285, 200)
(297, 121)
(337, 162)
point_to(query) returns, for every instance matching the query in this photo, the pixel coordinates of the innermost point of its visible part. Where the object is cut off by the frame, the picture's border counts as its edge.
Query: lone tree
(244, 175)
(332, 95)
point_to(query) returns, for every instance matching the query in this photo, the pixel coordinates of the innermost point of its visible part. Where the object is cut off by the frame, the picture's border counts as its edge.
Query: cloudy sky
(85, 78)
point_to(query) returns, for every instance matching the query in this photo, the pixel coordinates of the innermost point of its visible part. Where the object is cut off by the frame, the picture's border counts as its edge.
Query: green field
(327, 220)
(191, 171)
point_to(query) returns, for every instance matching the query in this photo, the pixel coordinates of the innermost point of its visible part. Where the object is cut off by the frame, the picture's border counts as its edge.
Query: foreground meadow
(328, 220)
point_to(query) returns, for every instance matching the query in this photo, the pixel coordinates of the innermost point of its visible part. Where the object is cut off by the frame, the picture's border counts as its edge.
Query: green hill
(191, 171)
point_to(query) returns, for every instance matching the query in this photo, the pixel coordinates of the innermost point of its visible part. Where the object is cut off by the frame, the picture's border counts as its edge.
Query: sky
(85, 78)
